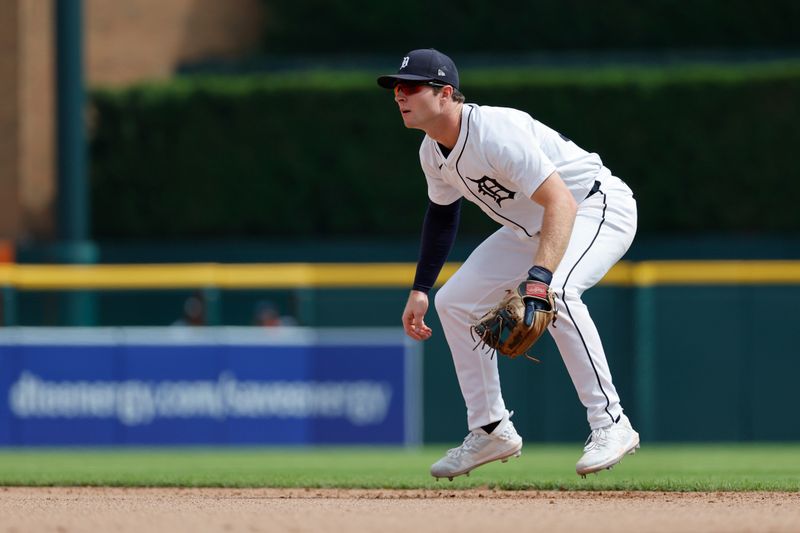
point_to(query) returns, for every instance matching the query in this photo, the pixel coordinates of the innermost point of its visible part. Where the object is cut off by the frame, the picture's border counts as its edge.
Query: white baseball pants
(604, 228)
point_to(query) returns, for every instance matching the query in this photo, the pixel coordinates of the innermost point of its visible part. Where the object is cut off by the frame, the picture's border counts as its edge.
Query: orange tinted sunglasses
(409, 88)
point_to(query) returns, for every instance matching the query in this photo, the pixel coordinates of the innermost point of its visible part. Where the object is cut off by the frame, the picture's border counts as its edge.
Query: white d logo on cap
(404, 64)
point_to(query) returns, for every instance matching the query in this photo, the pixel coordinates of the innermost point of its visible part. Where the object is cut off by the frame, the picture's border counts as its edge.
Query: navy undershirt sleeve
(438, 234)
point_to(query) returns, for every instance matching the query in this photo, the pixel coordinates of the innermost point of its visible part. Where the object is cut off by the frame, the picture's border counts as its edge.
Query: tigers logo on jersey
(489, 187)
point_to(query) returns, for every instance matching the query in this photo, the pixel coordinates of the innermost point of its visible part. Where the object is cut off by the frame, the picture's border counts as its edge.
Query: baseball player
(565, 221)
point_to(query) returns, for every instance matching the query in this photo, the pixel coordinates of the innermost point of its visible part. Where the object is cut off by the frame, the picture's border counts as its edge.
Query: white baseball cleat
(606, 447)
(478, 449)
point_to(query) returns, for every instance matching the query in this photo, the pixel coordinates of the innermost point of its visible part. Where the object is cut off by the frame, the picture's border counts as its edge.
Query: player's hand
(539, 275)
(414, 316)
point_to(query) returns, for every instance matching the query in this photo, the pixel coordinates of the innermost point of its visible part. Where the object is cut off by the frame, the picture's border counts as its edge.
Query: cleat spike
(451, 479)
(467, 474)
(504, 460)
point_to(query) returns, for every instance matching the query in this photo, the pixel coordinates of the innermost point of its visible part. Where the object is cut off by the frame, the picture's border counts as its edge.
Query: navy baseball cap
(423, 65)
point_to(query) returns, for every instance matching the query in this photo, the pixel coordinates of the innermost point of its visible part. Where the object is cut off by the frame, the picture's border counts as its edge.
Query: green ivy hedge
(706, 149)
(478, 26)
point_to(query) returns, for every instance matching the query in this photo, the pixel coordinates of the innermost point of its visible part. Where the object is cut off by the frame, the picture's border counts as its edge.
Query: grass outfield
(772, 467)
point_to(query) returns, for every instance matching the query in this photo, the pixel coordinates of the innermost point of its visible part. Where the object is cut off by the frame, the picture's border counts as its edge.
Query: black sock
(488, 428)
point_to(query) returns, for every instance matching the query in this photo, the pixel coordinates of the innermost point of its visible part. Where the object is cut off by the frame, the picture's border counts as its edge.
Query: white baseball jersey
(501, 157)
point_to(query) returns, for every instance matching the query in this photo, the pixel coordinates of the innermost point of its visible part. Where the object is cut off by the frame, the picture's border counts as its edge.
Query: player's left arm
(559, 217)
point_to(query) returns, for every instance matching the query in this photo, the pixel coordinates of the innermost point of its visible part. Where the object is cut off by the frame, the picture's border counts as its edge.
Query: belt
(595, 188)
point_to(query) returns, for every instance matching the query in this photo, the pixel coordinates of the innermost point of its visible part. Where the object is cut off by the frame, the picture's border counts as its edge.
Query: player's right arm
(439, 230)
(414, 316)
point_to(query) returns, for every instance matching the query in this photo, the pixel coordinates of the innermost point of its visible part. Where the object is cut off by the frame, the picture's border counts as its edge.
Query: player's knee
(441, 300)
(445, 299)
(570, 295)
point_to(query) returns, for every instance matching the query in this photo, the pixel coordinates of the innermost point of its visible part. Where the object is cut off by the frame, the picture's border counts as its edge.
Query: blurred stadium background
(209, 216)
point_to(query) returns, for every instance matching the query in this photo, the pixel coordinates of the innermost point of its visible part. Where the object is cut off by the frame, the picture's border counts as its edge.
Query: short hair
(456, 96)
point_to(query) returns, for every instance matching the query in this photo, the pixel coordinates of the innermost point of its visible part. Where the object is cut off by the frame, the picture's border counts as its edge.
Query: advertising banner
(212, 386)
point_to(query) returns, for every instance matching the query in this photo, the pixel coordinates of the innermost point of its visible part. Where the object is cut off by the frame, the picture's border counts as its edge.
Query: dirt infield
(84, 509)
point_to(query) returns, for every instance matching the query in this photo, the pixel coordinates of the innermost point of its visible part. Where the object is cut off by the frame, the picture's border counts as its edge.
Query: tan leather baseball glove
(504, 327)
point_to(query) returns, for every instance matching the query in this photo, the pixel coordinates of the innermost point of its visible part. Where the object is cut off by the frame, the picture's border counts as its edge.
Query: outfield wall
(700, 351)
(210, 386)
